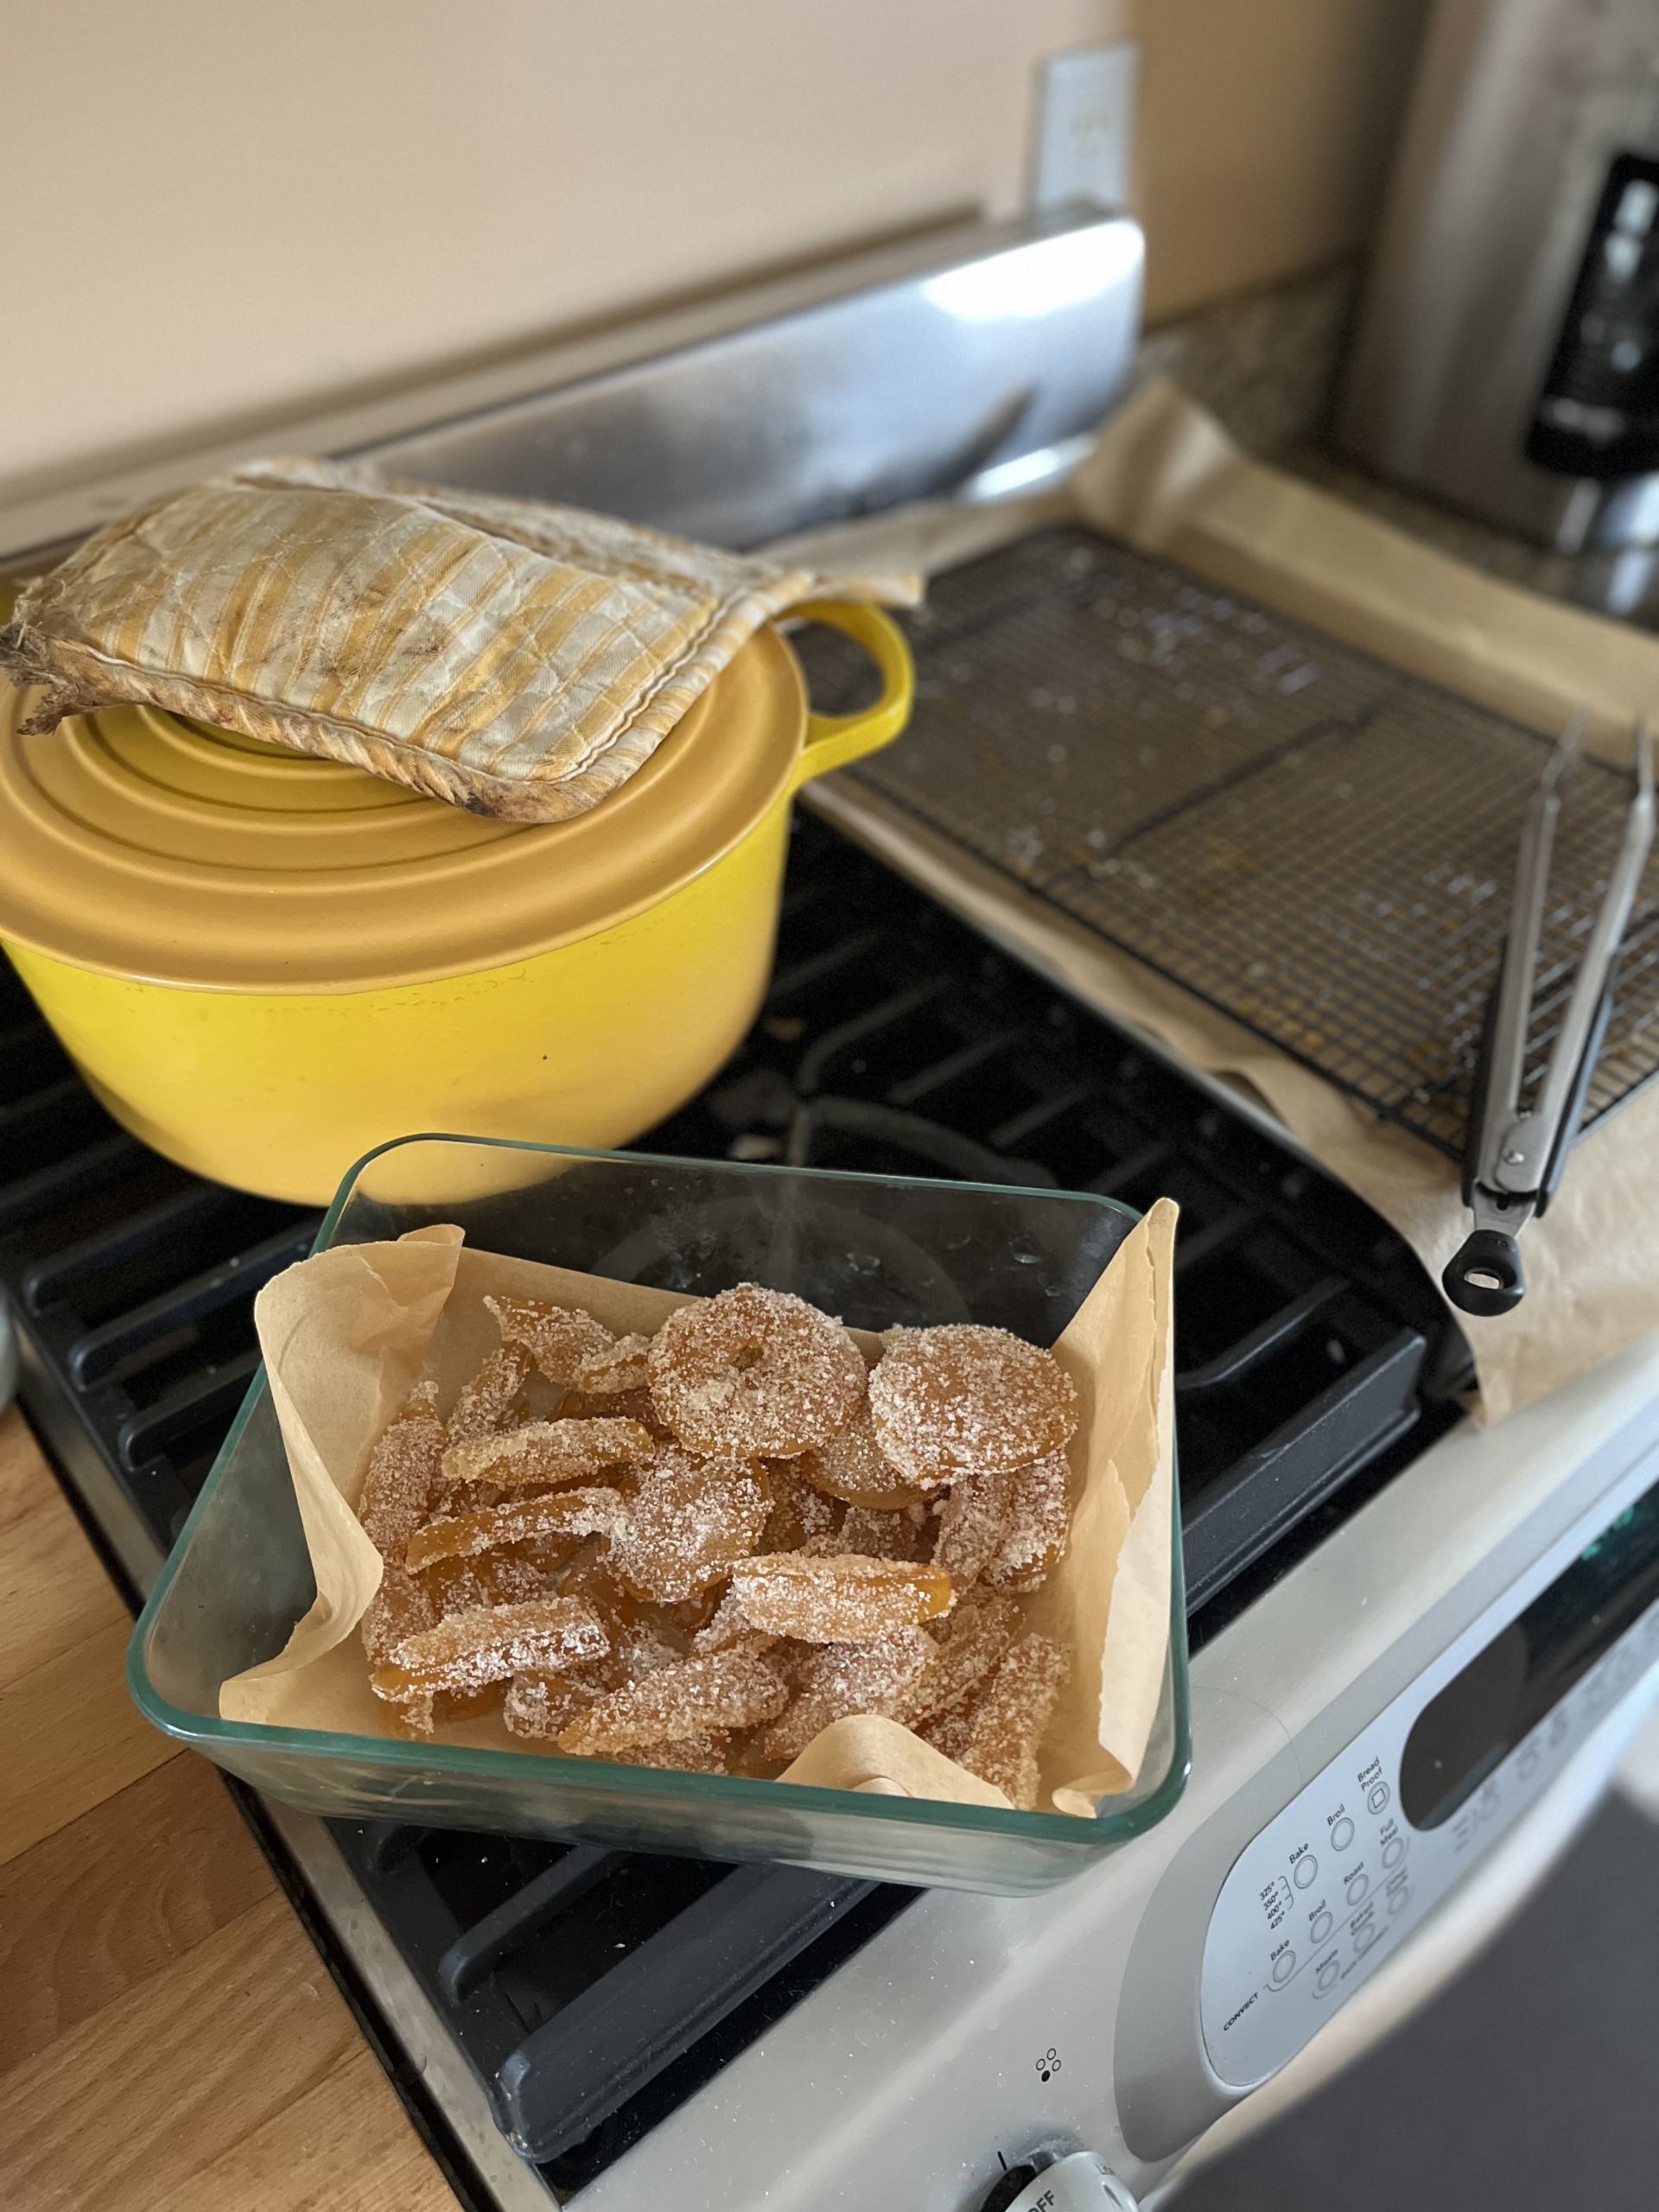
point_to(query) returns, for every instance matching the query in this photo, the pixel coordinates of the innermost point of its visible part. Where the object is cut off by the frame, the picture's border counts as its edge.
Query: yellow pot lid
(143, 846)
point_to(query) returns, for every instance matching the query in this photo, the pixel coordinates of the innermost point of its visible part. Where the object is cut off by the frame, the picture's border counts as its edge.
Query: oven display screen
(1506, 1690)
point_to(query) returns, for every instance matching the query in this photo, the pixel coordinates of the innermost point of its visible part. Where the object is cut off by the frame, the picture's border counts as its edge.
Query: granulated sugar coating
(754, 1373)
(851, 1466)
(456, 1586)
(560, 1339)
(687, 1523)
(1040, 1522)
(909, 1535)
(487, 1644)
(728, 1689)
(486, 1402)
(620, 1367)
(1006, 1721)
(798, 1511)
(404, 1471)
(724, 1539)
(844, 1678)
(841, 1600)
(538, 1704)
(399, 1608)
(973, 1525)
(965, 1400)
(704, 1754)
(731, 1629)
(581, 1512)
(545, 1452)
(967, 1645)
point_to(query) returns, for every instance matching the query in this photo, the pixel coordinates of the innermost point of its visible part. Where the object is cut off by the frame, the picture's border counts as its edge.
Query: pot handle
(834, 740)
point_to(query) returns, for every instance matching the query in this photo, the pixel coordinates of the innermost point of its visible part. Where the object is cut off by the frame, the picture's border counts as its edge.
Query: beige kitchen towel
(511, 657)
(1164, 475)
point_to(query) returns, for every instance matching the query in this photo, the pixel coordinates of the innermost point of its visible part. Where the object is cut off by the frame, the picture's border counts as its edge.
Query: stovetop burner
(593, 1993)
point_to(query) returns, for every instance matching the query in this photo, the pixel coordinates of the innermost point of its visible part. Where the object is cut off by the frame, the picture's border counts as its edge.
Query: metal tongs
(1515, 1155)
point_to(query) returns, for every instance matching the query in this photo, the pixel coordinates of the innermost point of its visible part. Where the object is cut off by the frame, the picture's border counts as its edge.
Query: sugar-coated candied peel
(687, 1525)
(400, 1607)
(967, 1643)
(486, 1403)
(725, 1690)
(404, 1473)
(948, 1731)
(746, 1535)
(626, 1405)
(456, 1586)
(550, 1555)
(620, 1370)
(798, 1510)
(583, 1511)
(638, 1647)
(843, 1598)
(1004, 1724)
(545, 1452)
(538, 1704)
(730, 1626)
(707, 1753)
(967, 1400)
(754, 1373)
(474, 1704)
(464, 1653)
(974, 1524)
(839, 1679)
(907, 1535)
(558, 1338)
(851, 1466)
(466, 1497)
(586, 1574)
(1040, 1526)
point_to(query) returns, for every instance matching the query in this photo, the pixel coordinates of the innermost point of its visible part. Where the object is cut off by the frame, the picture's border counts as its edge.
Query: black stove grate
(1314, 1359)
(595, 1991)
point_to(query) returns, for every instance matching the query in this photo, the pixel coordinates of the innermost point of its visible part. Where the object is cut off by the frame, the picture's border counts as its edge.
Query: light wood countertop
(169, 2040)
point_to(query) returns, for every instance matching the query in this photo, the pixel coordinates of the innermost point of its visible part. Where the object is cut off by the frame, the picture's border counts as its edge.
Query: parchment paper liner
(347, 1334)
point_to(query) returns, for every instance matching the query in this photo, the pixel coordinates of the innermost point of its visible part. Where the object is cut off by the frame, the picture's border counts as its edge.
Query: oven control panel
(1329, 1887)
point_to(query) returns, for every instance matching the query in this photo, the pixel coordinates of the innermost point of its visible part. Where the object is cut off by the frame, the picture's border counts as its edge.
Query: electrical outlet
(1085, 126)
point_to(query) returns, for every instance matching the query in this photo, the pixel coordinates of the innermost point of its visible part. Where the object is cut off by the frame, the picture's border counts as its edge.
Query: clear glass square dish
(876, 1249)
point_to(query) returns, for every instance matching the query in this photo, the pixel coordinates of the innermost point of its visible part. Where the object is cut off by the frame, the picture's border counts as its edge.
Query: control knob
(1082, 2183)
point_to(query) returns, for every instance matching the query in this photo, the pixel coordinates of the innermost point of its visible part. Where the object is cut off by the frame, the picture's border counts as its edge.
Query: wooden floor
(169, 2040)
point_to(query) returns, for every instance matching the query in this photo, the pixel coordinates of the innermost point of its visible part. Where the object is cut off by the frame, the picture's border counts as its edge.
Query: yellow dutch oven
(266, 965)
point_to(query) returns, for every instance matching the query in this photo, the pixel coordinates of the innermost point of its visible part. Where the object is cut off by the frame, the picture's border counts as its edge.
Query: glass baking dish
(876, 1249)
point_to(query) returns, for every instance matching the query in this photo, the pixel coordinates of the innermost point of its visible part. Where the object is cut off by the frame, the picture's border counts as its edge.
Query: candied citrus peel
(846, 1597)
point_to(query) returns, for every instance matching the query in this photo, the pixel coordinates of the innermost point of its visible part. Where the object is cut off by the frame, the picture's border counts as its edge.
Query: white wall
(227, 205)
(226, 210)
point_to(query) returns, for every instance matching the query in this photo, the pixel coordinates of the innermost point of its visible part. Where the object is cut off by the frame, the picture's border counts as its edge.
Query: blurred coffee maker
(1507, 356)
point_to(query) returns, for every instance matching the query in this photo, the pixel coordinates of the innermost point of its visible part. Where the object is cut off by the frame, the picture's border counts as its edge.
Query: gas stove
(636, 2031)
(1313, 1360)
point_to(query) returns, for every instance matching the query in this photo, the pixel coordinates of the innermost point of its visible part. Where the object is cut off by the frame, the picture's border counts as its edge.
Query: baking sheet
(1317, 845)
(1165, 477)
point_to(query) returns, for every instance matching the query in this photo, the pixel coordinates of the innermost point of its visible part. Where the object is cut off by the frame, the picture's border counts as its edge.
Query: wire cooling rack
(1318, 846)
